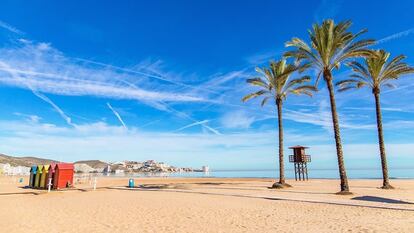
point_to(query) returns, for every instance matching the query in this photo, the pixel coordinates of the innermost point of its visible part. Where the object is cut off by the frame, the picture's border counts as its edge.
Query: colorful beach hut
(51, 173)
(63, 175)
(33, 171)
(38, 175)
(44, 177)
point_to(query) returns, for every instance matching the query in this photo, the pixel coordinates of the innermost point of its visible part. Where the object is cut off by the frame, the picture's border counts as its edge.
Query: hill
(96, 164)
(24, 161)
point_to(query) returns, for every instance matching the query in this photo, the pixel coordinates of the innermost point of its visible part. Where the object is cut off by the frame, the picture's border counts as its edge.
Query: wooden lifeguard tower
(300, 160)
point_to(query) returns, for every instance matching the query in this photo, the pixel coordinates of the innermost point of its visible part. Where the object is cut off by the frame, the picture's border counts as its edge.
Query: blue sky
(163, 80)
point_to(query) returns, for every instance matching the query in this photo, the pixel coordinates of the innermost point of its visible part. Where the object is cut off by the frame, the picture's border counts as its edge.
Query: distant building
(205, 169)
(7, 169)
(119, 171)
(107, 169)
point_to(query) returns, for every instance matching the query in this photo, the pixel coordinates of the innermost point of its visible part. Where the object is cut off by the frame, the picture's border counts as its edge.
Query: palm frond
(346, 88)
(254, 95)
(390, 85)
(346, 82)
(305, 89)
(258, 82)
(264, 101)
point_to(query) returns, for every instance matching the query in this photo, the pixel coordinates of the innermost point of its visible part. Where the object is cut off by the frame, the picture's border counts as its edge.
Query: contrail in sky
(41, 96)
(396, 36)
(10, 28)
(59, 110)
(117, 115)
(191, 125)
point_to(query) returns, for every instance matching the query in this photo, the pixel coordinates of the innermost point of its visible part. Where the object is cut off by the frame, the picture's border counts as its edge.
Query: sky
(163, 80)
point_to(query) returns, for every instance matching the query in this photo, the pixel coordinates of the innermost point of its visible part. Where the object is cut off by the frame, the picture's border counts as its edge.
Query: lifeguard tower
(300, 160)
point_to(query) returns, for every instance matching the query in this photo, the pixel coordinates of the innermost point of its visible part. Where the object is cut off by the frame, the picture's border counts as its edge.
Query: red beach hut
(63, 177)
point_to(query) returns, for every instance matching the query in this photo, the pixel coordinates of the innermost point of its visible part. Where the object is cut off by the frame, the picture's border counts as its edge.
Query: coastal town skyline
(169, 88)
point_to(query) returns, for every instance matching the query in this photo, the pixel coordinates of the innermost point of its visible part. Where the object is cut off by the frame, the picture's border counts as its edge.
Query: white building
(7, 169)
(119, 171)
(205, 169)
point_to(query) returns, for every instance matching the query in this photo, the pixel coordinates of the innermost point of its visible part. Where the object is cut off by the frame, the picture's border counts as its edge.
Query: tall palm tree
(375, 73)
(331, 44)
(275, 84)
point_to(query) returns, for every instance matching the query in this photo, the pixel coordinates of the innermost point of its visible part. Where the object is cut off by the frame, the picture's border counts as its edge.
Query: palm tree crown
(375, 72)
(276, 83)
(330, 46)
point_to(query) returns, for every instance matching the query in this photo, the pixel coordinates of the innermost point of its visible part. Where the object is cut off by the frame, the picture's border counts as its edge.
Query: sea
(397, 173)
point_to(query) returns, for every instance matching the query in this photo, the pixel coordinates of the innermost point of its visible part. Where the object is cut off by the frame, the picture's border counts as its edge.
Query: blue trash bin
(131, 183)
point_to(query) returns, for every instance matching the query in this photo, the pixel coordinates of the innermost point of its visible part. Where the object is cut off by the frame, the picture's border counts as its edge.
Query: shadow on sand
(19, 193)
(153, 189)
(381, 199)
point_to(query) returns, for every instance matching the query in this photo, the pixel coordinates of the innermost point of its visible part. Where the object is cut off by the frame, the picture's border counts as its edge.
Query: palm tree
(276, 85)
(331, 44)
(375, 73)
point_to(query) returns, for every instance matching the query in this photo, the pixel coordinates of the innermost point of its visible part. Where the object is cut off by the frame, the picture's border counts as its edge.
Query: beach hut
(44, 177)
(38, 175)
(33, 171)
(51, 173)
(63, 175)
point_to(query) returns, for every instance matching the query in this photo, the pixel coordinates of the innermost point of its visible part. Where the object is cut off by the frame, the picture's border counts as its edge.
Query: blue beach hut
(33, 171)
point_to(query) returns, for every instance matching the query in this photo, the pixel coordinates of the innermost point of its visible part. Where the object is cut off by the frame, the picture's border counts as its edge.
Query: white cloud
(47, 70)
(30, 118)
(237, 120)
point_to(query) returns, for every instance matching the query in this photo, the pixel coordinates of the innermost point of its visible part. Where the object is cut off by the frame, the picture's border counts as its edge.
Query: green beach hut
(38, 175)
(44, 177)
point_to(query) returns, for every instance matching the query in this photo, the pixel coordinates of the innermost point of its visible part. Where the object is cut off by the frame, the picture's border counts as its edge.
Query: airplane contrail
(59, 110)
(42, 97)
(192, 124)
(396, 36)
(117, 115)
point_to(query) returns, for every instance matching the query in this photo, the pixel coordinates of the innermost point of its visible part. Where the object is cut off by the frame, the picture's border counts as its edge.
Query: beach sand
(207, 205)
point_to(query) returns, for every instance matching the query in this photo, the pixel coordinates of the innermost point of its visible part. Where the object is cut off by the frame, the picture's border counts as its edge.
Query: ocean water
(398, 173)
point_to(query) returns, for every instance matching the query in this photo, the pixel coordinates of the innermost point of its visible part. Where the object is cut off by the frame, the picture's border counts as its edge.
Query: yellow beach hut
(38, 175)
(44, 177)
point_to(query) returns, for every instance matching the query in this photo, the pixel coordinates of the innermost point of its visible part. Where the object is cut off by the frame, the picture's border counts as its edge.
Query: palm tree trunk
(282, 183)
(341, 165)
(385, 183)
(280, 124)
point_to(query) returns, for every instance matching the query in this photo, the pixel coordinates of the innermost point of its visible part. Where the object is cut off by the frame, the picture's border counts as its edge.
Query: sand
(207, 205)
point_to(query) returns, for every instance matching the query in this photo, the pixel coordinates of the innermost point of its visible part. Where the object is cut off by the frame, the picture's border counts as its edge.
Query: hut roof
(33, 169)
(46, 168)
(298, 146)
(40, 169)
(52, 167)
(65, 166)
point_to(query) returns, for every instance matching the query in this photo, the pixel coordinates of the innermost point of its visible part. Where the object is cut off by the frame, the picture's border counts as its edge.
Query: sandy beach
(207, 205)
